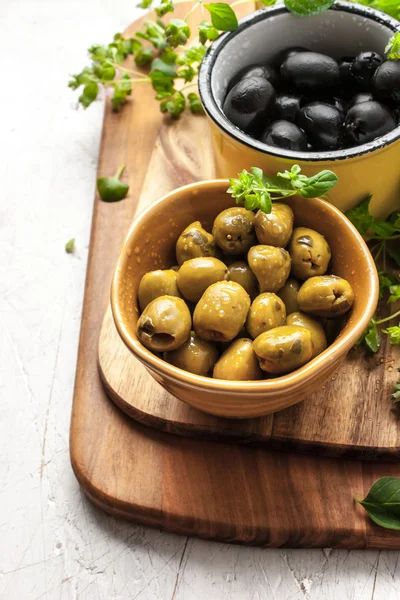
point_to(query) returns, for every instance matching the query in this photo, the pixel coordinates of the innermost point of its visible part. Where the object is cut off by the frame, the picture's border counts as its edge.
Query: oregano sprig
(257, 191)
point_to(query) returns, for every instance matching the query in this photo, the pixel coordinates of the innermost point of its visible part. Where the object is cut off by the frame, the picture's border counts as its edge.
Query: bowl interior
(335, 32)
(151, 245)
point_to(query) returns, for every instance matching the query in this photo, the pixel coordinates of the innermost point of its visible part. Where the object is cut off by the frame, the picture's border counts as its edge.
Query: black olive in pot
(361, 97)
(386, 81)
(322, 125)
(344, 69)
(364, 66)
(396, 115)
(284, 134)
(310, 70)
(247, 100)
(284, 54)
(367, 121)
(265, 71)
(287, 106)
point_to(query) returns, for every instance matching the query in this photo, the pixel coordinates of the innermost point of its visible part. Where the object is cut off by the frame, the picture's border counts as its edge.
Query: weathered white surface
(53, 543)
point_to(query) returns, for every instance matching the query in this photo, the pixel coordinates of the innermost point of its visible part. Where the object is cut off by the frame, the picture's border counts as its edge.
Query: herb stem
(389, 318)
(239, 2)
(194, 7)
(189, 85)
(119, 172)
(118, 66)
(379, 251)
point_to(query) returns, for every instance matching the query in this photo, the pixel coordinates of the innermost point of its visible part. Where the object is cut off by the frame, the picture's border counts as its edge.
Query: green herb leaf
(174, 105)
(386, 280)
(111, 189)
(394, 334)
(307, 8)
(395, 292)
(177, 32)
(163, 67)
(371, 337)
(318, 185)
(144, 56)
(166, 6)
(394, 253)
(154, 33)
(207, 32)
(383, 502)
(89, 94)
(145, 4)
(268, 2)
(222, 16)
(122, 89)
(393, 48)
(396, 394)
(195, 104)
(70, 246)
(360, 216)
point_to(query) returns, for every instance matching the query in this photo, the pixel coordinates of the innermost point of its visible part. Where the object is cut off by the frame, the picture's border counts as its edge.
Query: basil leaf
(319, 184)
(394, 293)
(222, 16)
(383, 503)
(308, 8)
(360, 216)
(386, 281)
(372, 339)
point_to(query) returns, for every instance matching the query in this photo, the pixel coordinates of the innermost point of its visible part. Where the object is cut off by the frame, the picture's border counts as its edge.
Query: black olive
(247, 100)
(322, 124)
(396, 115)
(265, 71)
(386, 81)
(367, 121)
(310, 70)
(287, 106)
(361, 97)
(339, 103)
(364, 66)
(344, 69)
(282, 56)
(284, 134)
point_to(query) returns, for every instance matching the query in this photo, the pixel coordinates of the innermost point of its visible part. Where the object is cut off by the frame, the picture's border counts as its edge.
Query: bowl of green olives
(319, 91)
(242, 313)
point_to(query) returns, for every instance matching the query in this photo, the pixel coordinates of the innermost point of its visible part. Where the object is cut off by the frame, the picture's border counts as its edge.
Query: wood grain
(208, 489)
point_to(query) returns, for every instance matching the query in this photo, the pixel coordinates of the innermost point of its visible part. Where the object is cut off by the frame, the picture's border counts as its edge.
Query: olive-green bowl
(150, 245)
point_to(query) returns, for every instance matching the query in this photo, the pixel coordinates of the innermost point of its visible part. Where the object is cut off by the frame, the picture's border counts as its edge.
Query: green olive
(238, 362)
(155, 284)
(310, 253)
(270, 265)
(195, 356)
(197, 274)
(164, 324)
(289, 295)
(221, 311)
(233, 230)
(266, 312)
(241, 273)
(326, 296)
(283, 349)
(275, 228)
(194, 241)
(318, 337)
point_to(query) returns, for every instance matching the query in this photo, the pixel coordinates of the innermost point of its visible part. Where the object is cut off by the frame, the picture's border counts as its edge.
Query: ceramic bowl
(150, 245)
(344, 30)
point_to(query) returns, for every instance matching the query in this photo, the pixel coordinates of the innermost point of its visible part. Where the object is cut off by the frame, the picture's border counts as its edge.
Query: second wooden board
(352, 415)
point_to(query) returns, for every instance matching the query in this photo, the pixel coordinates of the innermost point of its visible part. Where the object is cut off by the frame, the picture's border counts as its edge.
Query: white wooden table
(53, 543)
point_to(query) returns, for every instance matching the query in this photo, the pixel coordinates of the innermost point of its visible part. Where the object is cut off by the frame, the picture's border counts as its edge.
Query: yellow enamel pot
(344, 30)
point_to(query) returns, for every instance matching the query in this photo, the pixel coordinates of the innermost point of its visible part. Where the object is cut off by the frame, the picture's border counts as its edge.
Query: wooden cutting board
(208, 489)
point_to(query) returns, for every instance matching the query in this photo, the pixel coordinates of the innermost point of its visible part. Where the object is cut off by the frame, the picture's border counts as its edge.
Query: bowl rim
(215, 113)
(282, 383)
